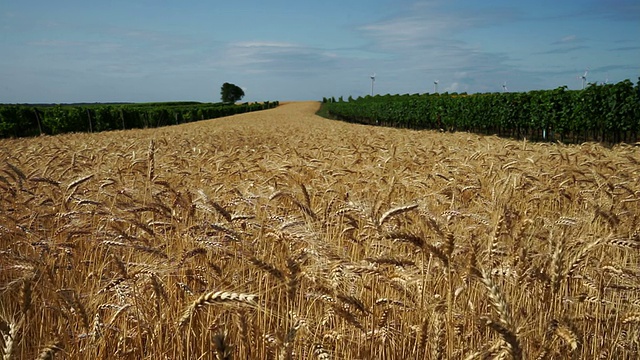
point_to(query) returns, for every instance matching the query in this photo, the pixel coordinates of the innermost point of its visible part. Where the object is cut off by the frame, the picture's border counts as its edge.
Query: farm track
(280, 234)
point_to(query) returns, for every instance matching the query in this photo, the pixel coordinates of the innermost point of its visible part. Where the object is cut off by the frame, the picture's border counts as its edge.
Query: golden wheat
(331, 240)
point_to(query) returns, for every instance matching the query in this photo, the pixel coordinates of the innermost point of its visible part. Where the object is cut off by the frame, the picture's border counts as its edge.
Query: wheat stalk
(247, 333)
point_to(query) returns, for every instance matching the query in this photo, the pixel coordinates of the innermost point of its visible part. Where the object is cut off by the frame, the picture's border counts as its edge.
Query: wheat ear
(151, 161)
(631, 318)
(437, 340)
(10, 337)
(264, 266)
(223, 351)
(79, 181)
(215, 297)
(568, 335)
(505, 326)
(294, 279)
(579, 258)
(49, 351)
(396, 211)
(320, 352)
(25, 293)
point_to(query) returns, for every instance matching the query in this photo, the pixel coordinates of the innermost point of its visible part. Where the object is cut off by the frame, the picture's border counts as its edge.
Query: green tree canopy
(231, 93)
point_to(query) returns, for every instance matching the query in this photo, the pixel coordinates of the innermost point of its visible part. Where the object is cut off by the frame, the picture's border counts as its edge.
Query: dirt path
(300, 108)
(287, 114)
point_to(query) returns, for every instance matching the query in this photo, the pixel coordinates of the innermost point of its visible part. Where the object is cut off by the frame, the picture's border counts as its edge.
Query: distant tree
(230, 93)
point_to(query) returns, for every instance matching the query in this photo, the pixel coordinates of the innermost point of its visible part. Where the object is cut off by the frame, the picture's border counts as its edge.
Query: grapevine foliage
(608, 113)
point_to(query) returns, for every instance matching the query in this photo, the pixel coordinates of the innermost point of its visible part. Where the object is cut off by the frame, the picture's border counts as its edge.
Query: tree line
(31, 120)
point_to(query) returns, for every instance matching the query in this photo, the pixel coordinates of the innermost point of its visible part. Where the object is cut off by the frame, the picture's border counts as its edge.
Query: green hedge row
(29, 120)
(609, 113)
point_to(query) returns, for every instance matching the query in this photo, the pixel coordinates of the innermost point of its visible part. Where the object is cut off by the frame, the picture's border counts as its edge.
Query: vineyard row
(29, 120)
(607, 113)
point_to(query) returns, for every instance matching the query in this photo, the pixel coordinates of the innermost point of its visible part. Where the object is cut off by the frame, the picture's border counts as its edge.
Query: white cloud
(277, 57)
(263, 44)
(431, 39)
(453, 87)
(55, 43)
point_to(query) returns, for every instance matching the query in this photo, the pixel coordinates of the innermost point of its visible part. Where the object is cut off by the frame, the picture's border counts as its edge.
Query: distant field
(282, 235)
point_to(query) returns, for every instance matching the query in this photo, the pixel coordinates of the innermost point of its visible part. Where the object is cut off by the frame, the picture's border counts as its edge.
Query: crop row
(609, 112)
(29, 120)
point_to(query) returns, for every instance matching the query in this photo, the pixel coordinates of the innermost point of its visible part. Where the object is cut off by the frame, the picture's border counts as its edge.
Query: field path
(287, 110)
(289, 119)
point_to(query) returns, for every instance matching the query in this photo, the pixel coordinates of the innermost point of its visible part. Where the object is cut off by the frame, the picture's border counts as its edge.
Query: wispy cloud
(428, 24)
(625, 48)
(622, 10)
(430, 39)
(565, 45)
(264, 44)
(278, 57)
(569, 39)
(127, 53)
(56, 43)
(614, 68)
(563, 50)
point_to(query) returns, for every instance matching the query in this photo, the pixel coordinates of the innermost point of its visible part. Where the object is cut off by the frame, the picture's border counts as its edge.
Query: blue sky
(143, 50)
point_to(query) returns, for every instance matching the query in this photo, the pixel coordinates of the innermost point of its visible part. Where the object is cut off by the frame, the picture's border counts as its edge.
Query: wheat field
(282, 235)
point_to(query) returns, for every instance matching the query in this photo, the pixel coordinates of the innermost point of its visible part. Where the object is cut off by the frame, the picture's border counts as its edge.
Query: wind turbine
(584, 78)
(435, 86)
(504, 87)
(373, 79)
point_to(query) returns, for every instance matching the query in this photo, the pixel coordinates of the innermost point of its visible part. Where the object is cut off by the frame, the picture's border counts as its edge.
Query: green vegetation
(230, 93)
(608, 113)
(32, 120)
